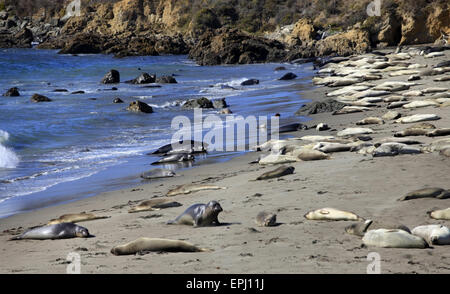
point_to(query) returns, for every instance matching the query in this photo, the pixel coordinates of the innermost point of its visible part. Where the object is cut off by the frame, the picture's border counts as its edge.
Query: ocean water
(80, 145)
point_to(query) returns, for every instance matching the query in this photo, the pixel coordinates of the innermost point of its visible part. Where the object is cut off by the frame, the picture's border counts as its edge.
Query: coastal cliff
(223, 32)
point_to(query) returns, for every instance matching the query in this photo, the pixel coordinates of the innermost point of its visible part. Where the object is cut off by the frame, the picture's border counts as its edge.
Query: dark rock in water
(78, 92)
(60, 90)
(152, 86)
(13, 92)
(183, 146)
(114, 89)
(93, 99)
(288, 76)
(329, 105)
(112, 77)
(219, 103)
(443, 64)
(292, 128)
(138, 106)
(144, 78)
(166, 80)
(118, 100)
(280, 68)
(250, 82)
(198, 103)
(40, 98)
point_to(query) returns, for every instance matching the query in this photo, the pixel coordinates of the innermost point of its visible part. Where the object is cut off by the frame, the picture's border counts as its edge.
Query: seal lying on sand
(393, 239)
(199, 215)
(266, 219)
(155, 244)
(427, 193)
(276, 173)
(331, 214)
(190, 188)
(433, 234)
(440, 214)
(179, 157)
(158, 173)
(154, 204)
(183, 146)
(360, 228)
(56, 231)
(75, 218)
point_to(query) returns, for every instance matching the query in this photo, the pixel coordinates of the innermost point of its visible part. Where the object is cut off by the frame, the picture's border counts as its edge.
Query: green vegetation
(2, 6)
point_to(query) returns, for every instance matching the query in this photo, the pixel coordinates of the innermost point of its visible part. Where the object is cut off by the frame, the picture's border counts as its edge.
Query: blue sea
(80, 145)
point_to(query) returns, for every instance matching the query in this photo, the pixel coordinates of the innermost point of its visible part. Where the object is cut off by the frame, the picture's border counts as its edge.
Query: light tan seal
(143, 245)
(433, 234)
(276, 173)
(154, 204)
(190, 188)
(266, 219)
(438, 193)
(332, 214)
(76, 218)
(443, 214)
(393, 239)
(371, 120)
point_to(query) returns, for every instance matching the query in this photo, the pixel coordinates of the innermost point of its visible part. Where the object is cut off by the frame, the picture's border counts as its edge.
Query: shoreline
(367, 186)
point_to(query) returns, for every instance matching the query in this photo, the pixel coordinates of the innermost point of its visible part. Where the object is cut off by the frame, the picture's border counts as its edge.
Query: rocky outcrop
(288, 76)
(225, 46)
(36, 98)
(329, 105)
(83, 44)
(303, 32)
(112, 77)
(144, 78)
(198, 103)
(166, 80)
(250, 82)
(344, 44)
(13, 92)
(219, 103)
(138, 106)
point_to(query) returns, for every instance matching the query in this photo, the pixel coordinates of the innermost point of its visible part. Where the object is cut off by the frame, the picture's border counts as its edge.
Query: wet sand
(349, 181)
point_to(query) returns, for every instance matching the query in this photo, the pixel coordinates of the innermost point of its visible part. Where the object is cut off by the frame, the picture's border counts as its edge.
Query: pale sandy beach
(349, 181)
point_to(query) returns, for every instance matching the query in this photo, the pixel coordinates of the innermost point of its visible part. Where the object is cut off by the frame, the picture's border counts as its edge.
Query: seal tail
(205, 250)
(15, 238)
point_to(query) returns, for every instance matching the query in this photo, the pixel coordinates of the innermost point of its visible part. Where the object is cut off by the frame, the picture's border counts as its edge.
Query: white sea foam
(8, 159)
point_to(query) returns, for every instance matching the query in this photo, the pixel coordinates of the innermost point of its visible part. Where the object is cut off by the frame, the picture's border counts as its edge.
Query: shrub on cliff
(206, 19)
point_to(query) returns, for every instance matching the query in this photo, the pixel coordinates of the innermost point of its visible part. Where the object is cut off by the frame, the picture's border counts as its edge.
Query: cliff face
(151, 27)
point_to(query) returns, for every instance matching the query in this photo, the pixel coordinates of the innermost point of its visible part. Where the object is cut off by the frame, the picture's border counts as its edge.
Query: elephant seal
(276, 173)
(75, 218)
(433, 234)
(393, 149)
(56, 231)
(445, 152)
(266, 219)
(443, 214)
(332, 147)
(427, 193)
(439, 132)
(370, 121)
(308, 155)
(154, 204)
(199, 215)
(277, 159)
(360, 228)
(190, 188)
(183, 146)
(158, 173)
(143, 244)
(292, 128)
(354, 131)
(417, 118)
(178, 157)
(393, 239)
(331, 214)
